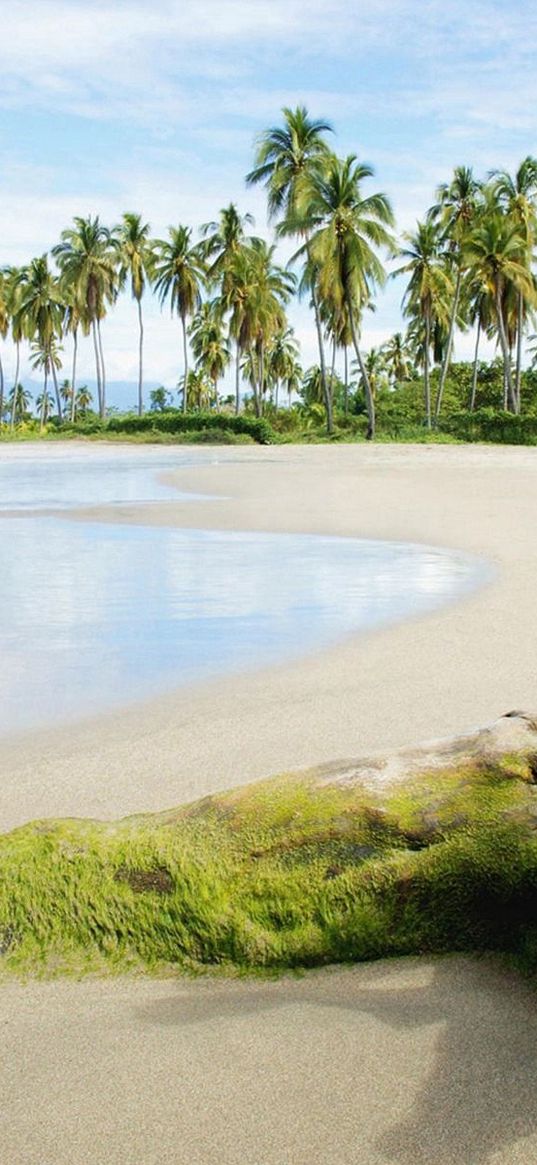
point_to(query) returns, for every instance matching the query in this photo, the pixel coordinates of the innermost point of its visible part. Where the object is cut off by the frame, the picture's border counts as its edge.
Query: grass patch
(286, 873)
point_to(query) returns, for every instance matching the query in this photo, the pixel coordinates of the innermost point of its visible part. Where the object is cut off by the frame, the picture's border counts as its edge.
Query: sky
(108, 107)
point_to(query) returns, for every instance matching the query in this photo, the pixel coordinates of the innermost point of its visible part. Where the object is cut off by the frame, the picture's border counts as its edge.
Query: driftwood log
(516, 732)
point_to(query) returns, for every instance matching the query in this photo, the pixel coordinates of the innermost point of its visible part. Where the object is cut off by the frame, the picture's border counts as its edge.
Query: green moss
(287, 873)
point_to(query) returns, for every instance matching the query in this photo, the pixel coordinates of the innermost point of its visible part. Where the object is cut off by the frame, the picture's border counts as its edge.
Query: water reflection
(38, 478)
(94, 615)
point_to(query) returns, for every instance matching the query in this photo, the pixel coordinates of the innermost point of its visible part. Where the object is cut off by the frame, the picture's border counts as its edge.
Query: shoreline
(435, 675)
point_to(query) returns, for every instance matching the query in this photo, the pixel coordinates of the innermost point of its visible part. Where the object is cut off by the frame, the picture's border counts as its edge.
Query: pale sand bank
(415, 1062)
(436, 676)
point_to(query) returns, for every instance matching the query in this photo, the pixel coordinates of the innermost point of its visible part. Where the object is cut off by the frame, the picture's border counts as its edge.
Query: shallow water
(59, 478)
(96, 615)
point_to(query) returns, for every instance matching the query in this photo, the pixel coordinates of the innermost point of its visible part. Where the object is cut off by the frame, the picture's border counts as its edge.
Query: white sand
(435, 676)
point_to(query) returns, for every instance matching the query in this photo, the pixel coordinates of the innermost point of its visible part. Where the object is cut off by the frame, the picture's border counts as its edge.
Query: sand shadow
(481, 1095)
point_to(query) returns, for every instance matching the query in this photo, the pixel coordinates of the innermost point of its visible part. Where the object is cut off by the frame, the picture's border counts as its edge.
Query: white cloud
(415, 86)
(128, 59)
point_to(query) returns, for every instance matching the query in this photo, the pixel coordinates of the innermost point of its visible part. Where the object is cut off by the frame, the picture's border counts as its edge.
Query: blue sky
(107, 107)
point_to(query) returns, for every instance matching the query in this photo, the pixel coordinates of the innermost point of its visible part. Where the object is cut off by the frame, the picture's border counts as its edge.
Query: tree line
(468, 265)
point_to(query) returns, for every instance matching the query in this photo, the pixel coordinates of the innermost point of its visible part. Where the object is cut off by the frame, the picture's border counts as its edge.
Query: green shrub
(174, 422)
(488, 424)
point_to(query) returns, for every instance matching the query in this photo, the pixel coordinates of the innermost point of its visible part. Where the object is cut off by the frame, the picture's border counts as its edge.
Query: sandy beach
(415, 1061)
(438, 675)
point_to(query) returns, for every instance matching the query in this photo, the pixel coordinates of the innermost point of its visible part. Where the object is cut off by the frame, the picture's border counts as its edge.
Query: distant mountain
(120, 394)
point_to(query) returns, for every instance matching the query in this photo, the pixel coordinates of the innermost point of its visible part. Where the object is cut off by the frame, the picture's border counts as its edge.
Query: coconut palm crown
(87, 260)
(350, 228)
(179, 275)
(136, 260)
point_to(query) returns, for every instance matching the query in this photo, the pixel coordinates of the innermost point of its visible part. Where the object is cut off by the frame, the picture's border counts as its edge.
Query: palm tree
(397, 358)
(4, 329)
(428, 291)
(339, 328)
(67, 394)
(517, 196)
(44, 403)
(45, 356)
(375, 366)
(293, 381)
(135, 253)
(200, 390)
(350, 228)
(223, 240)
(497, 254)
(19, 402)
(209, 345)
(83, 400)
(282, 359)
(179, 276)
(267, 288)
(312, 387)
(287, 156)
(86, 258)
(455, 211)
(41, 310)
(223, 244)
(74, 319)
(234, 295)
(481, 316)
(14, 277)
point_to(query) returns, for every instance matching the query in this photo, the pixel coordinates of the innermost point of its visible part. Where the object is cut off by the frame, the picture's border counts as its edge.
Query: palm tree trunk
(1, 392)
(519, 337)
(427, 386)
(505, 352)
(261, 396)
(103, 375)
(44, 402)
(328, 404)
(329, 395)
(17, 370)
(237, 377)
(322, 362)
(57, 391)
(370, 404)
(346, 361)
(140, 359)
(474, 374)
(318, 327)
(447, 357)
(73, 376)
(333, 368)
(97, 367)
(185, 362)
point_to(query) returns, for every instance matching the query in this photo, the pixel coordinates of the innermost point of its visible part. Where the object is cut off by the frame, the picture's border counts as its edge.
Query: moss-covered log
(296, 871)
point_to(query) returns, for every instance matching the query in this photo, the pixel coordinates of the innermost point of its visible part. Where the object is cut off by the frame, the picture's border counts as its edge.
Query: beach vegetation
(87, 260)
(136, 262)
(179, 274)
(467, 266)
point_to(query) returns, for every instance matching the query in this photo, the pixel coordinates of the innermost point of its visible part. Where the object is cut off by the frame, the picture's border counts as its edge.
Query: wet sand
(441, 674)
